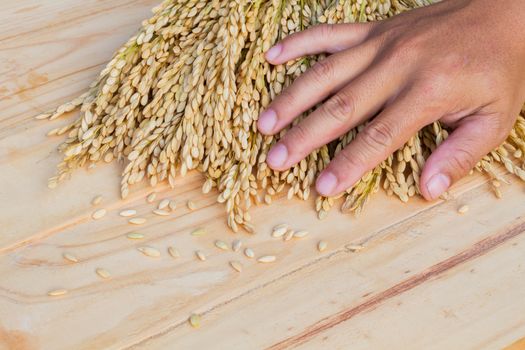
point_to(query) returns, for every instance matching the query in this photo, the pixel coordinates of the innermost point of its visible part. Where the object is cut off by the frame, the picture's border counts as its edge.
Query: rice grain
(173, 252)
(97, 200)
(321, 246)
(267, 259)
(103, 273)
(151, 197)
(57, 292)
(149, 251)
(99, 214)
(128, 213)
(221, 245)
(200, 255)
(463, 209)
(195, 321)
(236, 245)
(137, 221)
(70, 257)
(249, 253)
(236, 265)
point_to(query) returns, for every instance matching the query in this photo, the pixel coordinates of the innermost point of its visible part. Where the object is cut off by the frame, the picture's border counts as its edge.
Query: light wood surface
(428, 277)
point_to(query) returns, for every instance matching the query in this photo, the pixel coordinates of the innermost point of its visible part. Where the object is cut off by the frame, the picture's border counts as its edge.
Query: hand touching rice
(460, 62)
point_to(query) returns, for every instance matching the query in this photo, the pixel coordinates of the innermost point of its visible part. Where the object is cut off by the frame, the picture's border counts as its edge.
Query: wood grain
(427, 278)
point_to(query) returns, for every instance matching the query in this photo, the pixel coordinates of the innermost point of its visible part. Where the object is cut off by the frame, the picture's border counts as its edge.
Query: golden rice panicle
(186, 91)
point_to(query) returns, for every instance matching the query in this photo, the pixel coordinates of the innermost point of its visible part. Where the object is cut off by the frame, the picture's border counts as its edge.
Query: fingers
(475, 137)
(355, 103)
(315, 85)
(382, 137)
(322, 38)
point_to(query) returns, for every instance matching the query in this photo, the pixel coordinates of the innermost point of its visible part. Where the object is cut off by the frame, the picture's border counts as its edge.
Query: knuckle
(351, 161)
(401, 48)
(462, 160)
(299, 134)
(340, 107)
(428, 87)
(287, 98)
(434, 82)
(323, 70)
(377, 135)
(326, 31)
(499, 126)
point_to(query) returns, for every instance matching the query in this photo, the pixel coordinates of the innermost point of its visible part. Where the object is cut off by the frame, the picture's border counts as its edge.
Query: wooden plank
(404, 257)
(50, 52)
(474, 305)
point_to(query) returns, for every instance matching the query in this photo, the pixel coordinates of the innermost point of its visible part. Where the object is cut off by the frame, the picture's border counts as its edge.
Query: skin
(461, 62)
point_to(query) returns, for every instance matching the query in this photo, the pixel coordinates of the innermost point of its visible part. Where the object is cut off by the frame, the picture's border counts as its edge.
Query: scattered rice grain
(200, 255)
(463, 209)
(99, 214)
(173, 252)
(151, 197)
(57, 292)
(301, 234)
(281, 226)
(164, 204)
(137, 221)
(103, 273)
(221, 245)
(195, 321)
(267, 259)
(236, 245)
(198, 232)
(70, 257)
(149, 251)
(288, 235)
(279, 232)
(128, 213)
(191, 205)
(236, 265)
(249, 253)
(97, 200)
(160, 212)
(321, 246)
(135, 235)
(355, 247)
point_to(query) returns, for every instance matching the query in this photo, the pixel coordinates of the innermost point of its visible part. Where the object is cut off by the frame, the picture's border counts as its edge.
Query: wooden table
(428, 277)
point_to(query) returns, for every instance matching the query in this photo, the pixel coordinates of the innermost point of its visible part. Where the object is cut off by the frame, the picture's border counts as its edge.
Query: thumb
(475, 137)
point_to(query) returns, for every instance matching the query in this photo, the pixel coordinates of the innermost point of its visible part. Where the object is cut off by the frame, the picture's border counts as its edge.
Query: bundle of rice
(185, 93)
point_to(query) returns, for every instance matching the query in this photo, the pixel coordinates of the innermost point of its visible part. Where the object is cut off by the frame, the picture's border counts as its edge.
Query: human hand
(461, 62)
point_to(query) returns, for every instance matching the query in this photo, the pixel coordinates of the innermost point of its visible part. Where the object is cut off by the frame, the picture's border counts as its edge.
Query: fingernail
(267, 121)
(438, 184)
(326, 183)
(274, 52)
(277, 156)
